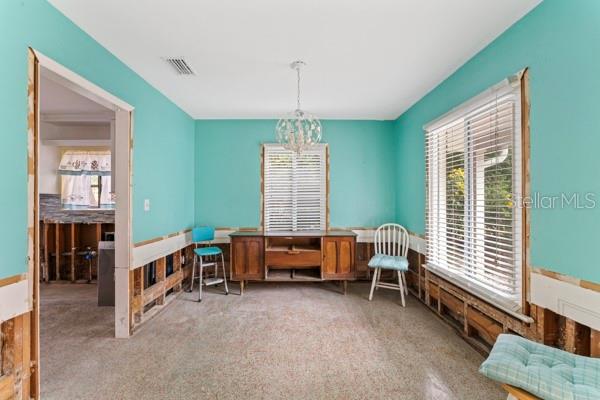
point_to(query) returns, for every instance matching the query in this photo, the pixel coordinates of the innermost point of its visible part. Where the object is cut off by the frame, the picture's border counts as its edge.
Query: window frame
(262, 184)
(522, 184)
(98, 185)
(101, 187)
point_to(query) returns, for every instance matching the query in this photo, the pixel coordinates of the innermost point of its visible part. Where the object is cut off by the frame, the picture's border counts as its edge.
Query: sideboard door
(247, 258)
(338, 258)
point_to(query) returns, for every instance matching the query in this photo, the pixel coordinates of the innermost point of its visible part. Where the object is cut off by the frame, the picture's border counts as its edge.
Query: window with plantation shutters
(295, 197)
(473, 169)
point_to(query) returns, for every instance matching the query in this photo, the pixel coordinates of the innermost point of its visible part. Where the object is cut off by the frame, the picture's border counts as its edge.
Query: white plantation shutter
(294, 188)
(473, 168)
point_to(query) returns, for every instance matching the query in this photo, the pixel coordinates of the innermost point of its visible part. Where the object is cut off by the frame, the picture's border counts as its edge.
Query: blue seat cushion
(541, 370)
(207, 251)
(389, 262)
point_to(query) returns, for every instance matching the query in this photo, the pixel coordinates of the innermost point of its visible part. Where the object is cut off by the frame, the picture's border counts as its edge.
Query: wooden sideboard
(310, 256)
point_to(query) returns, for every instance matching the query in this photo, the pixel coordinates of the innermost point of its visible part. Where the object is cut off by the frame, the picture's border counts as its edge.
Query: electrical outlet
(147, 205)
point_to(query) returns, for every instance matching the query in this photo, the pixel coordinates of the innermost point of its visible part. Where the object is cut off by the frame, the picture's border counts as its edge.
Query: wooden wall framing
(480, 323)
(60, 244)
(145, 302)
(16, 367)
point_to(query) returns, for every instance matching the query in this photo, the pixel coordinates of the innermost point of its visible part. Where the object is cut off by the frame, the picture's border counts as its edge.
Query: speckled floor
(278, 341)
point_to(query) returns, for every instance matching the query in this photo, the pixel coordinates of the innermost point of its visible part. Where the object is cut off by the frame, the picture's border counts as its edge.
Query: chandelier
(298, 130)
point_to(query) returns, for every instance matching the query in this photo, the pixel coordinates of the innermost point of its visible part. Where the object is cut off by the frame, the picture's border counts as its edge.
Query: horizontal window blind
(294, 188)
(473, 169)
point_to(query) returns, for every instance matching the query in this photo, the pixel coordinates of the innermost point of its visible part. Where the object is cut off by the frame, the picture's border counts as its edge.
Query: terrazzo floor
(277, 341)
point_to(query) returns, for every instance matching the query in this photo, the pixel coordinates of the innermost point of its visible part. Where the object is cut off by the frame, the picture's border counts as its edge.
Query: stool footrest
(386, 285)
(212, 281)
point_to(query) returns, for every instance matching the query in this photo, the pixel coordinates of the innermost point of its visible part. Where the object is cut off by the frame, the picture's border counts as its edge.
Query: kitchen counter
(51, 211)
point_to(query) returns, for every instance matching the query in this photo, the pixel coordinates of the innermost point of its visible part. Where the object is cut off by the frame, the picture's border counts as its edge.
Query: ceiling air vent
(180, 65)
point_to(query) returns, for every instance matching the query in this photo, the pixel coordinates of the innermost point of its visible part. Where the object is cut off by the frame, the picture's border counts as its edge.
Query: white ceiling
(366, 59)
(67, 115)
(57, 99)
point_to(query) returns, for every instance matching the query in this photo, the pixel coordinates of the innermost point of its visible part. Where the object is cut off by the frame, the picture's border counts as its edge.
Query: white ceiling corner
(366, 59)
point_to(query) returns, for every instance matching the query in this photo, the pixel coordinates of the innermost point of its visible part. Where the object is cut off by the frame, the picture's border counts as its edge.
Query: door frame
(123, 144)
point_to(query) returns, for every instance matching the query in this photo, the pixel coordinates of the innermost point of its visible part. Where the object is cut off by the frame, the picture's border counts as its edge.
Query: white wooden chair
(391, 248)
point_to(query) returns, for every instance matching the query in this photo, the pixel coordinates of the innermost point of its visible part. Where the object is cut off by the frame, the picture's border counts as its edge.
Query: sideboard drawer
(292, 258)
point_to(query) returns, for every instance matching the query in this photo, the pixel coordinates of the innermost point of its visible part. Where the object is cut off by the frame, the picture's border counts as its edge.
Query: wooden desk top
(293, 234)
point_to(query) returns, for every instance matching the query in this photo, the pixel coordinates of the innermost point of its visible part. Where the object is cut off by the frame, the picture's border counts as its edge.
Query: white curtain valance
(75, 162)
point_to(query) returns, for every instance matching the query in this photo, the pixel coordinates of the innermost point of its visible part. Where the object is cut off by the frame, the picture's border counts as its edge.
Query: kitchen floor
(277, 341)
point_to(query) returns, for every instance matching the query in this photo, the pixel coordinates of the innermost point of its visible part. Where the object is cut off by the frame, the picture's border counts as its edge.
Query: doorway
(79, 211)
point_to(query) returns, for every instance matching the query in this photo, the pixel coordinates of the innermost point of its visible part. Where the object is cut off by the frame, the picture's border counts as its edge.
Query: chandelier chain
(298, 98)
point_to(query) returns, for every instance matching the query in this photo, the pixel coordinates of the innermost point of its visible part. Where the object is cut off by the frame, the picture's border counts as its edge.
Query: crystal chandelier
(298, 130)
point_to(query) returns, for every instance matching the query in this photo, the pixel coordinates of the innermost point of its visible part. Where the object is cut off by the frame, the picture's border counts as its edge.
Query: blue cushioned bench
(542, 371)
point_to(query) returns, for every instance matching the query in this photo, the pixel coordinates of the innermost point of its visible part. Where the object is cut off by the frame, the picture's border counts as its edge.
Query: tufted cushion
(543, 371)
(389, 262)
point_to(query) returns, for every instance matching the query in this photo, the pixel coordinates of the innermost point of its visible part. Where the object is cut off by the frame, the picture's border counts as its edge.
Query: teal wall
(209, 171)
(560, 42)
(228, 171)
(163, 134)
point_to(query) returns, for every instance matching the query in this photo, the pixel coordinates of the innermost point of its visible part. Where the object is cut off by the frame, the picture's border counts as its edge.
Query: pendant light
(298, 130)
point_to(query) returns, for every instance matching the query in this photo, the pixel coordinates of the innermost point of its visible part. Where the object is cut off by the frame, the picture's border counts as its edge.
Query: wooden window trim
(525, 193)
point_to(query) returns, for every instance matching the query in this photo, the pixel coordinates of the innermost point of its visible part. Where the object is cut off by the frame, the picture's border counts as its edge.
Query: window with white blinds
(473, 168)
(295, 197)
